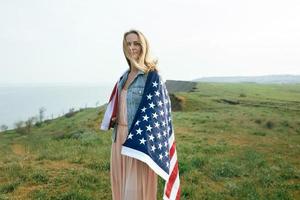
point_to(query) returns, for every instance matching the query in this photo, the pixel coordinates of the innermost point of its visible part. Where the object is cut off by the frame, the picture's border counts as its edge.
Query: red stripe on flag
(172, 150)
(178, 194)
(171, 180)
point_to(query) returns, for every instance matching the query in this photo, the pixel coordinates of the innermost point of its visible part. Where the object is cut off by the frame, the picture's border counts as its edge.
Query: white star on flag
(153, 148)
(156, 125)
(165, 133)
(142, 141)
(159, 146)
(144, 109)
(160, 156)
(158, 135)
(139, 131)
(145, 118)
(149, 128)
(160, 103)
(154, 84)
(137, 122)
(149, 96)
(130, 136)
(151, 137)
(154, 115)
(166, 144)
(166, 154)
(151, 105)
(157, 93)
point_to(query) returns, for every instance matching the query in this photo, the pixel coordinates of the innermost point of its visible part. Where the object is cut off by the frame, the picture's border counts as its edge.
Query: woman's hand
(113, 121)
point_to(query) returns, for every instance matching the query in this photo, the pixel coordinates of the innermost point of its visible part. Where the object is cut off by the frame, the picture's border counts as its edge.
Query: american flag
(151, 136)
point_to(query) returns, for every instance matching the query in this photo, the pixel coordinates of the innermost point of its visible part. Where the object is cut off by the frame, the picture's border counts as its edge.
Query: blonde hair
(145, 62)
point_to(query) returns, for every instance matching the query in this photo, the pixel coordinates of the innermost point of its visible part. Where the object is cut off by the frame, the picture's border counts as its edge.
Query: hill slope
(234, 141)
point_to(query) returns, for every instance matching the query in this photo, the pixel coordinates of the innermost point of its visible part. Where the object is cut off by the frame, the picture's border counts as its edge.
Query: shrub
(71, 113)
(20, 127)
(9, 187)
(270, 124)
(258, 121)
(38, 124)
(3, 127)
(29, 124)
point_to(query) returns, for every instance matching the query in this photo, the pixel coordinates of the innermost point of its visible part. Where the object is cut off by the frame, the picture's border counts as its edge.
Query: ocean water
(21, 102)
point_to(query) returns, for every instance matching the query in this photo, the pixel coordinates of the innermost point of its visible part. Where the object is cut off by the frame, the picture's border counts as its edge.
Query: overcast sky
(81, 41)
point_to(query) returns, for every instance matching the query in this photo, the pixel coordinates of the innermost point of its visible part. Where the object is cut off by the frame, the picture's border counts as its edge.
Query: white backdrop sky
(81, 41)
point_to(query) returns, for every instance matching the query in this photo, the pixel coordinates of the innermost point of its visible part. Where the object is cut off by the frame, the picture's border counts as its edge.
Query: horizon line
(60, 83)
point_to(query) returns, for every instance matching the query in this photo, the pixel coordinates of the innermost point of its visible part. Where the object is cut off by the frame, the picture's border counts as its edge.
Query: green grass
(246, 150)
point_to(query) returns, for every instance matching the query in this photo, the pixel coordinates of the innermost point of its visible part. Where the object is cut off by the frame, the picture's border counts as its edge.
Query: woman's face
(133, 45)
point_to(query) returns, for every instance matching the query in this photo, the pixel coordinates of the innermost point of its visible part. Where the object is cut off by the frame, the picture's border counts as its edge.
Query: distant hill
(180, 86)
(254, 79)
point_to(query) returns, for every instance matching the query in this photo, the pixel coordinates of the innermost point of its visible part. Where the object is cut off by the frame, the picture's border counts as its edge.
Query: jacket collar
(125, 75)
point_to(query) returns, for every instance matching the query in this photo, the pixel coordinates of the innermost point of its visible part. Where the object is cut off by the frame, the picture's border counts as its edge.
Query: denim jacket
(134, 95)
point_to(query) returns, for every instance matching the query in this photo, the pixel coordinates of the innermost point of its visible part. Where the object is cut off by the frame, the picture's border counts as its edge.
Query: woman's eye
(135, 43)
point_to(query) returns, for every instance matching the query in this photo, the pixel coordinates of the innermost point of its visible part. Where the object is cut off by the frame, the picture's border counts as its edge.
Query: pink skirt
(131, 179)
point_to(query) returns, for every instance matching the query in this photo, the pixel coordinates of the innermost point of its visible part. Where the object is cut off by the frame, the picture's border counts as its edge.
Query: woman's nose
(131, 47)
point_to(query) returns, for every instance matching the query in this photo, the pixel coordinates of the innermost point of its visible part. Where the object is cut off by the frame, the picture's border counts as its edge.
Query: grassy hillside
(234, 141)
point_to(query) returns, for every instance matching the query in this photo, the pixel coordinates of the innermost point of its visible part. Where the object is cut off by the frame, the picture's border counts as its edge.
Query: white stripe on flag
(171, 140)
(173, 162)
(108, 113)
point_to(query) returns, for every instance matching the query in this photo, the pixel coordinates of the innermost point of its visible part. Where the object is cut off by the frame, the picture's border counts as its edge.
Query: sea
(19, 103)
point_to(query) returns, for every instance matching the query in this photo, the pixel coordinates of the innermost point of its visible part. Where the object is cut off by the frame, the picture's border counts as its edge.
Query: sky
(75, 41)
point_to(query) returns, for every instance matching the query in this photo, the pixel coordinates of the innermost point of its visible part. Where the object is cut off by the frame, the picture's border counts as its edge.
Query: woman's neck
(133, 70)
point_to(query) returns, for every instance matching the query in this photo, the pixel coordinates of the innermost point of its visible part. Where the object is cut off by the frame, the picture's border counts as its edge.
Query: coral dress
(131, 179)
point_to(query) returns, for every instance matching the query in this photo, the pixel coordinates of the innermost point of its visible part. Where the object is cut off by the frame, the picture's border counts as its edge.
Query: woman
(139, 140)
(131, 179)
